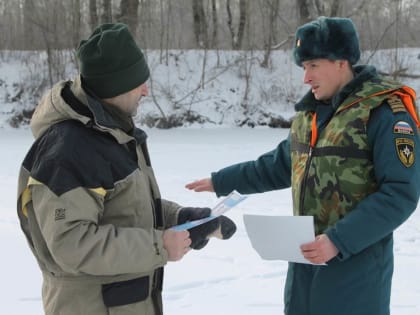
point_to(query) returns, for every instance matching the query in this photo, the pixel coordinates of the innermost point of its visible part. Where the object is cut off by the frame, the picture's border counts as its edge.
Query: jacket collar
(104, 116)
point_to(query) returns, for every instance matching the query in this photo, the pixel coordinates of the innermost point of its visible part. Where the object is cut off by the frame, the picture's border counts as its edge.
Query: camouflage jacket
(334, 171)
(388, 183)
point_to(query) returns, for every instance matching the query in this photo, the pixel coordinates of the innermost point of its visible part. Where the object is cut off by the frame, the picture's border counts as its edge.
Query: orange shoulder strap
(408, 96)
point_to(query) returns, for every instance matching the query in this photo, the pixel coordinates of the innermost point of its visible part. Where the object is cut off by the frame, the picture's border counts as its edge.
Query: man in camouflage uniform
(351, 160)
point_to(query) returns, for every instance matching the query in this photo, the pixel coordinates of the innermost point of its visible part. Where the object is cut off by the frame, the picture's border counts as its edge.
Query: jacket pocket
(125, 292)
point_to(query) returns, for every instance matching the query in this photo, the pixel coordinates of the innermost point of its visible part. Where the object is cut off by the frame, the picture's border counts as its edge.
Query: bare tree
(328, 8)
(164, 30)
(76, 20)
(357, 9)
(308, 10)
(230, 22)
(319, 6)
(243, 15)
(335, 8)
(221, 24)
(215, 23)
(273, 6)
(200, 23)
(43, 17)
(93, 14)
(237, 38)
(128, 14)
(303, 11)
(107, 12)
(28, 23)
(145, 26)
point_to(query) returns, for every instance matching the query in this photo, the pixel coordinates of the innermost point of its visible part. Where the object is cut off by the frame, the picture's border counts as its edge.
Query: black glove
(221, 227)
(190, 214)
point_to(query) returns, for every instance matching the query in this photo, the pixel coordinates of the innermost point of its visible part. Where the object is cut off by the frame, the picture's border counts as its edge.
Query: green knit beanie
(110, 61)
(327, 37)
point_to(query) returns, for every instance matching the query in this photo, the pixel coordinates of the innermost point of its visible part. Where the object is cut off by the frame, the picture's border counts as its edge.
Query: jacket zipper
(312, 143)
(304, 180)
(139, 148)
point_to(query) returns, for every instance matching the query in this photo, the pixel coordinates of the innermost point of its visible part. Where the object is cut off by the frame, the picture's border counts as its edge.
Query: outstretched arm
(270, 171)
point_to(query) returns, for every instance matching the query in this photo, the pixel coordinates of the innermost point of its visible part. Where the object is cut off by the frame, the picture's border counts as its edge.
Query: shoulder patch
(405, 151)
(403, 127)
(396, 104)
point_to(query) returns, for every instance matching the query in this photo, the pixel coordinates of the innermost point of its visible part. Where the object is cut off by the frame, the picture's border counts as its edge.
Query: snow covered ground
(226, 277)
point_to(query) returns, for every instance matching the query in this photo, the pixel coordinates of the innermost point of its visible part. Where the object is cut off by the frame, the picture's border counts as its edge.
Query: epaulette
(396, 104)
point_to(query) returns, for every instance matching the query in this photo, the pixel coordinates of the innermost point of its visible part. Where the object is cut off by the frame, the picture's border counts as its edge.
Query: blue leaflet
(223, 206)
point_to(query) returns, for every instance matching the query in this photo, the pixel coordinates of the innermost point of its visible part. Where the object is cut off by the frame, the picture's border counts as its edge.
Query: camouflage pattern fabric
(329, 179)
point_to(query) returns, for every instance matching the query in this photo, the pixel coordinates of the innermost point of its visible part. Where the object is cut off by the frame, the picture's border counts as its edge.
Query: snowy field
(226, 277)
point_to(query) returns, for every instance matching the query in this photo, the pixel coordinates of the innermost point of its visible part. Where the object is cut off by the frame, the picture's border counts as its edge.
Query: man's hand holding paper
(319, 251)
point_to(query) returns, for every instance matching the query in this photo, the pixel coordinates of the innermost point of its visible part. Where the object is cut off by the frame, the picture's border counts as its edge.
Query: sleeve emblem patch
(405, 151)
(402, 127)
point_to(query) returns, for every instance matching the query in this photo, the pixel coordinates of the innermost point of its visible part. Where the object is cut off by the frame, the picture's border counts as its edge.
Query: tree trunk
(107, 12)
(145, 24)
(243, 14)
(274, 10)
(319, 7)
(230, 23)
(335, 8)
(128, 14)
(163, 29)
(303, 9)
(165, 25)
(28, 22)
(200, 23)
(76, 22)
(93, 14)
(215, 24)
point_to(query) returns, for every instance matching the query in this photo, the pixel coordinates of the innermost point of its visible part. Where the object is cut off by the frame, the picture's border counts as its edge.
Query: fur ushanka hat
(327, 37)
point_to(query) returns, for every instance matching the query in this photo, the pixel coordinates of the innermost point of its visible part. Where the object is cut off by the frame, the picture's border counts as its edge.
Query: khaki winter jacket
(90, 207)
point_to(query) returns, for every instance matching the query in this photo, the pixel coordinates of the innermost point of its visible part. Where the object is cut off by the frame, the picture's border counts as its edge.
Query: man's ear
(343, 64)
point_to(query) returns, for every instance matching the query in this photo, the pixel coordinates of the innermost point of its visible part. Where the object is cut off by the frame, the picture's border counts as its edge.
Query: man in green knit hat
(88, 201)
(351, 159)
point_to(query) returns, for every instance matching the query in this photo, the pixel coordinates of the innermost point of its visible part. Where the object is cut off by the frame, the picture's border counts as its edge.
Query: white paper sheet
(280, 237)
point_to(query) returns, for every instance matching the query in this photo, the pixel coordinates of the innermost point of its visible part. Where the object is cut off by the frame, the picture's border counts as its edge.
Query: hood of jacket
(68, 100)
